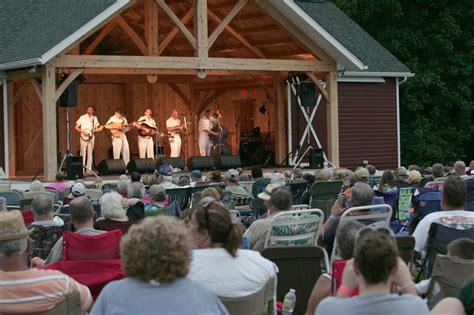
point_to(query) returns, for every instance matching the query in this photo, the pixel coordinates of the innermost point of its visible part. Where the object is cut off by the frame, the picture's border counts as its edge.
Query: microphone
(183, 114)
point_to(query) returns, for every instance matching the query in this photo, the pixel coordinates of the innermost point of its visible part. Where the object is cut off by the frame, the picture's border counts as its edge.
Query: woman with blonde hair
(155, 257)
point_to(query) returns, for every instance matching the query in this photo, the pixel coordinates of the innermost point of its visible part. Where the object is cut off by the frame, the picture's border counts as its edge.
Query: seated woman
(114, 217)
(387, 182)
(219, 264)
(155, 257)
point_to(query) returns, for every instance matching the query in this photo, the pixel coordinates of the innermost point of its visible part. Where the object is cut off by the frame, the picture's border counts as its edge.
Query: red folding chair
(95, 275)
(78, 246)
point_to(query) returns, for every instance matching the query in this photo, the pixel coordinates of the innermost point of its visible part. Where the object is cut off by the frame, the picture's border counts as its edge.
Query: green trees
(435, 39)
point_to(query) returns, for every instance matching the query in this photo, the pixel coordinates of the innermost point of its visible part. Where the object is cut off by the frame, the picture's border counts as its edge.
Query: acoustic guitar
(118, 129)
(147, 131)
(90, 133)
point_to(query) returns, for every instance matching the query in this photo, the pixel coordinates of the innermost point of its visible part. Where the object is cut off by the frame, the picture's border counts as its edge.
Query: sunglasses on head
(205, 205)
(377, 230)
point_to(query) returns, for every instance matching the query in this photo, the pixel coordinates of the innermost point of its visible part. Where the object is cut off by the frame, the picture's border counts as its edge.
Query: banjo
(90, 133)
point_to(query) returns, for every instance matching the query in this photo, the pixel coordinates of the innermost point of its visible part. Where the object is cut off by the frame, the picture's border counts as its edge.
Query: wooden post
(200, 28)
(50, 156)
(281, 143)
(332, 118)
(11, 129)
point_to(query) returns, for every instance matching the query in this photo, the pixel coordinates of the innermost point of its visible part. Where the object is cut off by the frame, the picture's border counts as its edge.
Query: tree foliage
(435, 39)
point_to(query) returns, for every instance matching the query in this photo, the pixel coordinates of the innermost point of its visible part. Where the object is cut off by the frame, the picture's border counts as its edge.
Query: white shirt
(86, 122)
(147, 120)
(206, 123)
(231, 276)
(171, 122)
(115, 119)
(458, 219)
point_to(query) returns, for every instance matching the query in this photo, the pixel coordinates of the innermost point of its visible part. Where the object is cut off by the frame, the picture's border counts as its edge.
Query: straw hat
(12, 226)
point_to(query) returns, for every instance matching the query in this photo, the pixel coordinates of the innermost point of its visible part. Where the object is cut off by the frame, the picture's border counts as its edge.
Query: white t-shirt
(231, 276)
(171, 122)
(458, 219)
(206, 123)
(115, 119)
(86, 122)
(147, 120)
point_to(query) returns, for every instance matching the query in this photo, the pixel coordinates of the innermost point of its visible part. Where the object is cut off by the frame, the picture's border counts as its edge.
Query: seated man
(453, 214)
(159, 205)
(361, 195)
(43, 212)
(25, 290)
(276, 199)
(373, 270)
(82, 217)
(231, 180)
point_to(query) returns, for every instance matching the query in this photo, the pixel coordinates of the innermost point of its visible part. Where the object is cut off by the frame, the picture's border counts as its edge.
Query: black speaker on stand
(74, 167)
(316, 158)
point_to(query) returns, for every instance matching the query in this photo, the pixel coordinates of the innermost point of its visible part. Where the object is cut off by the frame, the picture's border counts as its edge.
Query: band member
(206, 123)
(119, 140)
(86, 125)
(145, 143)
(173, 125)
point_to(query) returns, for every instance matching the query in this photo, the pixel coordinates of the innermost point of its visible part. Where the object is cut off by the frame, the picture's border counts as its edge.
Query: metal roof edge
(379, 74)
(21, 64)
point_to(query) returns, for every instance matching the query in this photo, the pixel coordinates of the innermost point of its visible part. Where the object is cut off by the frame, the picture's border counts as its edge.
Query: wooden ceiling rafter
(137, 40)
(183, 29)
(174, 31)
(237, 36)
(225, 22)
(104, 32)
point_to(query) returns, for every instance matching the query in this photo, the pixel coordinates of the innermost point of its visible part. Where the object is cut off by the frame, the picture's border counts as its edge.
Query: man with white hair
(43, 212)
(82, 218)
(460, 169)
(25, 290)
(37, 188)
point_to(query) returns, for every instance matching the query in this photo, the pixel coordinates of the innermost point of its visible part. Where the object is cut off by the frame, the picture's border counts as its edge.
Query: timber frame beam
(160, 62)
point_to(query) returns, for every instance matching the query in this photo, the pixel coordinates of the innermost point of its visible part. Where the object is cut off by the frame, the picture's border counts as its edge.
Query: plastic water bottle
(289, 302)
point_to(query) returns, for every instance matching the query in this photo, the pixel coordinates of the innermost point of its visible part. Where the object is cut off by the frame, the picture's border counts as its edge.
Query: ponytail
(234, 240)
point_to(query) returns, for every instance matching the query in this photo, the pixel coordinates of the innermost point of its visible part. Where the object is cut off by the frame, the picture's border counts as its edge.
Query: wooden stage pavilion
(188, 55)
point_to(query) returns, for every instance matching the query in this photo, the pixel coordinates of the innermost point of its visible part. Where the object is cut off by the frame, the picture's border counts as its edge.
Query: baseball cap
(232, 175)
(196, 174)
(278, 178)
(77, 190)
(165, 170)
(266, 195)
(361, 173)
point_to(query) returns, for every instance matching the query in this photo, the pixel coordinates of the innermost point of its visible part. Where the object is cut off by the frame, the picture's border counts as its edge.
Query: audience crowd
(191, 241)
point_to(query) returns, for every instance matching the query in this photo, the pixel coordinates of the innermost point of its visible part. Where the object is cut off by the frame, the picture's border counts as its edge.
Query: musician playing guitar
(118, 125)
(87, 125)
(147, 130)
(174, 127)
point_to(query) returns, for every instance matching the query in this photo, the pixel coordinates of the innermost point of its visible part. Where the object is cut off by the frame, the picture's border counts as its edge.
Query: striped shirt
(35, 290)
